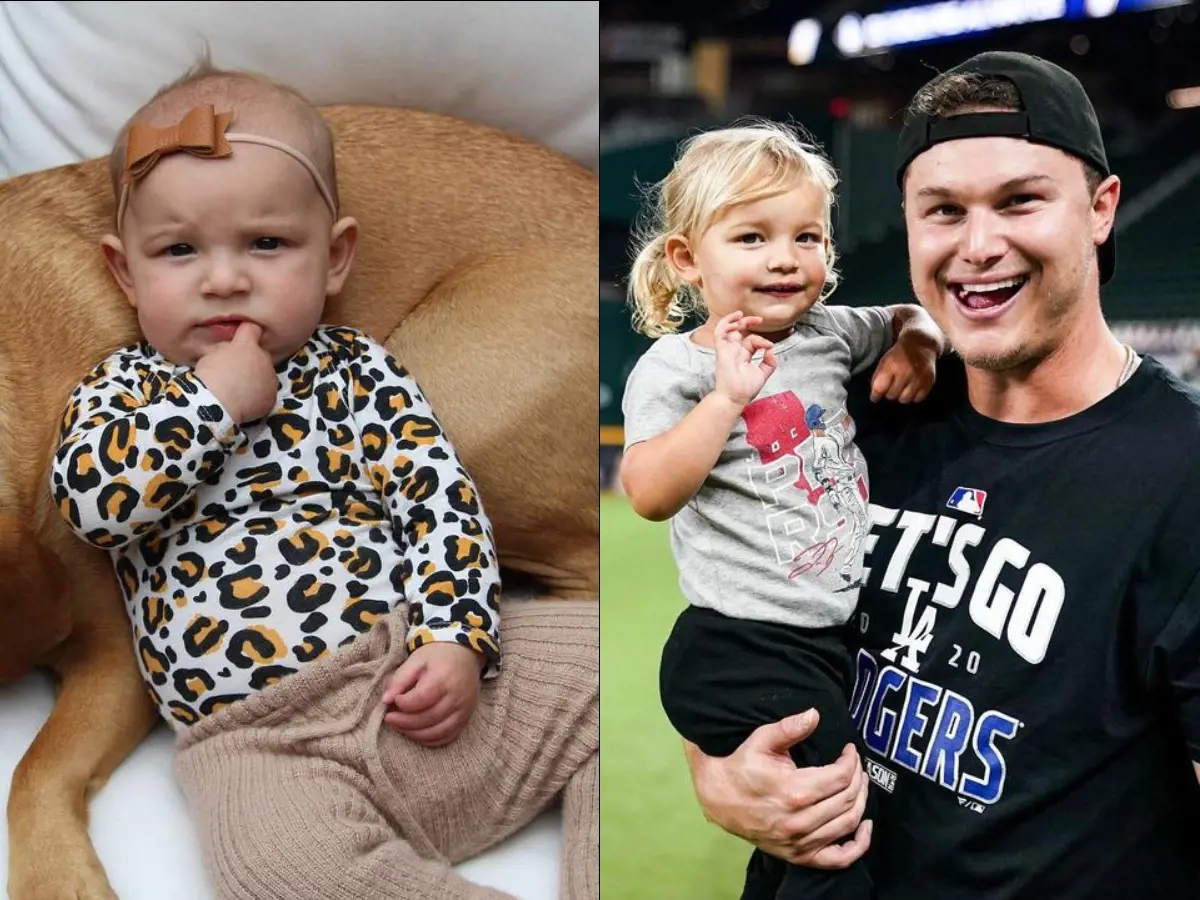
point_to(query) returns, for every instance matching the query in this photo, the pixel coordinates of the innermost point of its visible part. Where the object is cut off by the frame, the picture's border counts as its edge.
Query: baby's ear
(118, 265)
(343, 243)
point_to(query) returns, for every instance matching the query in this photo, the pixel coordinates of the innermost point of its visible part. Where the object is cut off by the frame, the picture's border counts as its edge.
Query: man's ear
(343, 244)
(118, 265)
(1104, 208)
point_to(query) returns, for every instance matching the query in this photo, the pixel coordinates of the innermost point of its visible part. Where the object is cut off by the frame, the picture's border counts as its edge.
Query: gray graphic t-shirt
(776, 531)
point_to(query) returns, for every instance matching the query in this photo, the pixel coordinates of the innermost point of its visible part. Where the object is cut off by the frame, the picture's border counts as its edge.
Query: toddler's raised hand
(739, 376)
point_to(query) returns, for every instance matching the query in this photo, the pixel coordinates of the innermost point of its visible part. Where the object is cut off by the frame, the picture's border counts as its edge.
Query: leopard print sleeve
(450, 575)
(135, 440)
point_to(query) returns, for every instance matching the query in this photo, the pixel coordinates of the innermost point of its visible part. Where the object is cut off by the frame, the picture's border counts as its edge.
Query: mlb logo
(968, 500)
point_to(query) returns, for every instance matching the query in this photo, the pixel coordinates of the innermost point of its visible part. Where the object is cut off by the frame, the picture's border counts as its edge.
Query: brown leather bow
(201, 132)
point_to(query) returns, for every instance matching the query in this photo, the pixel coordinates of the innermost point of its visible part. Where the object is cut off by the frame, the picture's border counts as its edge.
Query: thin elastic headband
(202, 134)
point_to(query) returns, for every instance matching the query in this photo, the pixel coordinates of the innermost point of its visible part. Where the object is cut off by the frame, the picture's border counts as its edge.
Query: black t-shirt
(1028, 646)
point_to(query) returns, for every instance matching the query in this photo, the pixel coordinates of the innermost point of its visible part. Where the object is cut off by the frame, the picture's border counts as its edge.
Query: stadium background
(673, 67)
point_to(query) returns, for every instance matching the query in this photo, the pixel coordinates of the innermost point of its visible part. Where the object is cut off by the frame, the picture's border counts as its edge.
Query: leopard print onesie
(247, 552)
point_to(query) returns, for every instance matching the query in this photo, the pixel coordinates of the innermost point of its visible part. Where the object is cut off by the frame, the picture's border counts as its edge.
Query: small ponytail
(655, 288)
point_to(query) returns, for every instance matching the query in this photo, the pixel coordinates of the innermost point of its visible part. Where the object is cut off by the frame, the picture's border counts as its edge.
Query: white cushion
(72, 73)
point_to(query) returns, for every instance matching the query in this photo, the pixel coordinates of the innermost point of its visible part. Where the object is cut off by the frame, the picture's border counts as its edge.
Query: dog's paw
(57, 869)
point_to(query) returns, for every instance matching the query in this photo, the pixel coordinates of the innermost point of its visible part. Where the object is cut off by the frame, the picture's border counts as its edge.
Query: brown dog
(477, 267)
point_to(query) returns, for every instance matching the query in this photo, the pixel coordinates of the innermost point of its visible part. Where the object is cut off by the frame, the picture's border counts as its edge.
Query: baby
(267, 486)
(301, 552)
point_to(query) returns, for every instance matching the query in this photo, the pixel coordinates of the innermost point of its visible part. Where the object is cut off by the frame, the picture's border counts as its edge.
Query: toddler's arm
(907, 371)
(912, 325)
(661, 474)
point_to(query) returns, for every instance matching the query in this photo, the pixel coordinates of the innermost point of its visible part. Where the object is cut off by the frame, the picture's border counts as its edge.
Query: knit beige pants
(301, 792)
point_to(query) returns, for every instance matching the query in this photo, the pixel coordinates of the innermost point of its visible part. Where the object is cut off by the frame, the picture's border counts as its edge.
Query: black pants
(721, 678)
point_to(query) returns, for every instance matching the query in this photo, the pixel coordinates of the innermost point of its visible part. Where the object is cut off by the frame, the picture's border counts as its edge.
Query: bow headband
(202, 134)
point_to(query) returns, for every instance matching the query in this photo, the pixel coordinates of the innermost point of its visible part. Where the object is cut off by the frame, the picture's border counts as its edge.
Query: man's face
(1002, 237)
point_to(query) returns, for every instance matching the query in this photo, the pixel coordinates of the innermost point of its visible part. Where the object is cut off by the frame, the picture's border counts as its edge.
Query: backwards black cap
(1056, 112)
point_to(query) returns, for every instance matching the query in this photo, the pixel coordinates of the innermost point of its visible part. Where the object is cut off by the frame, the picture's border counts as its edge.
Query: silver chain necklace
(1131, 364)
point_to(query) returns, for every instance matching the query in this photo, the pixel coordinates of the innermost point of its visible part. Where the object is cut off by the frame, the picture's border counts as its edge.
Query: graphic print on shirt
(812, 483)
(913, 700)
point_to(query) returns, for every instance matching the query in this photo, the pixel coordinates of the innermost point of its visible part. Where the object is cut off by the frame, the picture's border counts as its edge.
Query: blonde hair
(716, 170)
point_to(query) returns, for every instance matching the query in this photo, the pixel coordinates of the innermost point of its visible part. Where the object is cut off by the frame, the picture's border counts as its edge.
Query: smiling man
(1028, 635)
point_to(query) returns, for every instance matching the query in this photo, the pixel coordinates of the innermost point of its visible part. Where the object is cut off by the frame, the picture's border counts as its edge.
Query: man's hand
(434, 692)
(241, 374)
(793, 813)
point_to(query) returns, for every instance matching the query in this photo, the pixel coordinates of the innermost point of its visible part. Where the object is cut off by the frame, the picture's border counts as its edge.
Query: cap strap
(988, 124)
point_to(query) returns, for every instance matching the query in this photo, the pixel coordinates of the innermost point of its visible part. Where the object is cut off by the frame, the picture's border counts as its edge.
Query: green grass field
(654, 841)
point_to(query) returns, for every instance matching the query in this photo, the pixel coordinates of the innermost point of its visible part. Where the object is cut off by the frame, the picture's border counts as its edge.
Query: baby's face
(210, 243)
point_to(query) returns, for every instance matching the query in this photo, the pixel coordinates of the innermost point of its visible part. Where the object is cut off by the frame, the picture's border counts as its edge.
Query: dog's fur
(477, 267)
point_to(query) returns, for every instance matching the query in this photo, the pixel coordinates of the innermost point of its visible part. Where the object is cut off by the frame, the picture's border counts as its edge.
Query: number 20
(972, 659)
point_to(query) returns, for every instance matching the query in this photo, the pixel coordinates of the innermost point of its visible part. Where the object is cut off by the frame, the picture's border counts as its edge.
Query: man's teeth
(993, 286)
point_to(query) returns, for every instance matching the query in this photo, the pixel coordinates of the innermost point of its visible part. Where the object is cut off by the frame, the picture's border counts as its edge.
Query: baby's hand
(739, 378)
(434, 692)
(241, 374)
(906, 372)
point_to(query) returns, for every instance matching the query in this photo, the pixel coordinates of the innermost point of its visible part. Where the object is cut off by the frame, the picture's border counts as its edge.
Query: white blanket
(72, 73)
